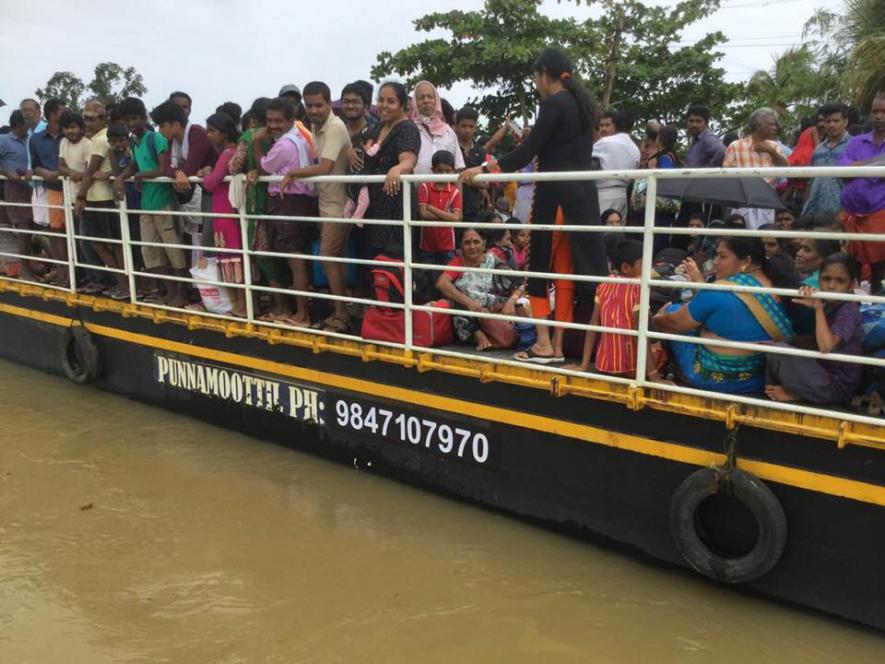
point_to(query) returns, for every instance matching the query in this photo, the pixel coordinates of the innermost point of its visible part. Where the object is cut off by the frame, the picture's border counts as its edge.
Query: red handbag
(382, 323)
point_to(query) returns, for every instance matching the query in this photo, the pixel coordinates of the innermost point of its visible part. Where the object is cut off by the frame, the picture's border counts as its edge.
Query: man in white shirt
(616, 153)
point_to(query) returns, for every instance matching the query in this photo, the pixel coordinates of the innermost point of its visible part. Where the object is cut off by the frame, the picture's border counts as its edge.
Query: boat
(783, 502)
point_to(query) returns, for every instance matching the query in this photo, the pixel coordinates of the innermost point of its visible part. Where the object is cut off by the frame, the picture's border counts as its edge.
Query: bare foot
(482, 341)
(177, 302)
(575, 366)
(779, 393)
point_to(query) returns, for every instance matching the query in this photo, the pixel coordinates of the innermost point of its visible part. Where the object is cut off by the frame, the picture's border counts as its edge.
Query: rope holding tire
(80, 357)
(749, 490)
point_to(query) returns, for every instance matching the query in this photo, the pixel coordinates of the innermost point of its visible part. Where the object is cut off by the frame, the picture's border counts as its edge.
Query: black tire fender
(80, 357)
(756, 496)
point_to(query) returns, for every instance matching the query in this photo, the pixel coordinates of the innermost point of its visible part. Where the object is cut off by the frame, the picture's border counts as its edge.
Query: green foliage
(110, 83)
(841, 59)
(494, 48)
(63, 85)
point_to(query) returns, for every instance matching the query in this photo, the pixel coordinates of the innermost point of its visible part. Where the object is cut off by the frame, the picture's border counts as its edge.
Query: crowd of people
(179, 227)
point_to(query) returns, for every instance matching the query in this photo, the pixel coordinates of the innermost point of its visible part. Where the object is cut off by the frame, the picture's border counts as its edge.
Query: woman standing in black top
(562, 140)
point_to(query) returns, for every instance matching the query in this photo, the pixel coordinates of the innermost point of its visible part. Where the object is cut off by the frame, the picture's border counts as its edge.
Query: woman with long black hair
(562, 140)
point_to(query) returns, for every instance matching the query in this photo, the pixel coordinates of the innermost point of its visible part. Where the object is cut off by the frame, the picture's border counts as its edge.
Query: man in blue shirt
(30, 109)
(14, 167)
(825, 194)
(705, 150)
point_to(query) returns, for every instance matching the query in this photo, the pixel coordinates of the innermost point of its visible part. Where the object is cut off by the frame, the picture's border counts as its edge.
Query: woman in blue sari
(730, 316)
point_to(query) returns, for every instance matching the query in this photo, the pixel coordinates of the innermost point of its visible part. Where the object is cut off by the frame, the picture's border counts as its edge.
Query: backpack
(382, 323)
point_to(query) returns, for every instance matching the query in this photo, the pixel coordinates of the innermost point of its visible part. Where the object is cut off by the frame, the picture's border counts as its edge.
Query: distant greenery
(637, 52)
(110, 83)
(494, 47)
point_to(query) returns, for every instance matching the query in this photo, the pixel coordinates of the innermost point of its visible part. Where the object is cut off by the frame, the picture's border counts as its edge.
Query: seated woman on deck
(480, 291)
(730, 316)
(837, 328)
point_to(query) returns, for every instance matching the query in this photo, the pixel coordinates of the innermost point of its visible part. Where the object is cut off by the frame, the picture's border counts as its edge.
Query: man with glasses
(96, 191)
(355, 103)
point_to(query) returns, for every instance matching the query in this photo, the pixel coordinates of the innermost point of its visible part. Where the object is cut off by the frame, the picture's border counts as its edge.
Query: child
(502, 208)
(358, 194)
(439, 201)
(617, 306)
(837, 329)
(73, 158)
(120, 155)
(520, 241)
(223, 134)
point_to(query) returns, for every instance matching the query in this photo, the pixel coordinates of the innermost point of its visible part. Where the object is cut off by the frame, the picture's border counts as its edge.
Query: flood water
(131, 535)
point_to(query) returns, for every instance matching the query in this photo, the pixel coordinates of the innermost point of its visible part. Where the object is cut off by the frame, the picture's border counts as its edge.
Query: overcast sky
(220, 50)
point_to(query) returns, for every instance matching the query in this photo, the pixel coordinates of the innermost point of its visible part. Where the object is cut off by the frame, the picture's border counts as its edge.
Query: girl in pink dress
(223, 134)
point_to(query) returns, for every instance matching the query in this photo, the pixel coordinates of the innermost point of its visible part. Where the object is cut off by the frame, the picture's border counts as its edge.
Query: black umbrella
(750, 192)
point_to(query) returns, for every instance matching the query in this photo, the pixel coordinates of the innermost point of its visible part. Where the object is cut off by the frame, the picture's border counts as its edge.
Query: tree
(652, 71)
(795, 87)
(851, 46)
(63, 85)
(632, 51)
(493, 48)
(110, 83)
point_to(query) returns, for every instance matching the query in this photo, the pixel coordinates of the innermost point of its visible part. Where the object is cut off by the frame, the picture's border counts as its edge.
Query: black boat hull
(585, 465)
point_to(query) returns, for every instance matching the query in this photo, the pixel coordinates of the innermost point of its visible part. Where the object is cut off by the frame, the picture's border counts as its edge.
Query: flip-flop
(291, 322)
(533, 357)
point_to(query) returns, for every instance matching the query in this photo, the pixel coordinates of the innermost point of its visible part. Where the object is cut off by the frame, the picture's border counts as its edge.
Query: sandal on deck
(336, 324)
(529, 355)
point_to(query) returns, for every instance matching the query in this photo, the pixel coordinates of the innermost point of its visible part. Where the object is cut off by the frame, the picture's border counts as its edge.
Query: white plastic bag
(215, 298)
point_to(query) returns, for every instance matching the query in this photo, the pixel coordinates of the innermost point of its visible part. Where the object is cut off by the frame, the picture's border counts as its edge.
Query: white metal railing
(647, 231)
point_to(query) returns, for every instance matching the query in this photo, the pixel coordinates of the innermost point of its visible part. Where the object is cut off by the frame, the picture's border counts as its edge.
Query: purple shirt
(863, 195)
(844, 321)
(289, 152)
(706, 151)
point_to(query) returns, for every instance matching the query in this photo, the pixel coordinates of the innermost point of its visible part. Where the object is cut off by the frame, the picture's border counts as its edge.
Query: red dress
(617, 302)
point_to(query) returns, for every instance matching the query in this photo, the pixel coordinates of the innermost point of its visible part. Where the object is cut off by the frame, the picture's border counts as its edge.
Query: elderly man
(14, 166)
(863, 199)
(759, 149)
(100, 221)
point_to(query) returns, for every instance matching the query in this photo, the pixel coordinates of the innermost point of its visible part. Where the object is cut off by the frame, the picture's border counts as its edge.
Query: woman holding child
(730, 316)
(392, 150)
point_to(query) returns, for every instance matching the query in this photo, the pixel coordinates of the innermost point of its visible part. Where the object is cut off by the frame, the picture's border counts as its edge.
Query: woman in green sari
(274, 271)
(730, 316)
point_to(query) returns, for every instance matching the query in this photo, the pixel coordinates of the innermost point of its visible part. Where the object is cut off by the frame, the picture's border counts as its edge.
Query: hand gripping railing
(408, 265)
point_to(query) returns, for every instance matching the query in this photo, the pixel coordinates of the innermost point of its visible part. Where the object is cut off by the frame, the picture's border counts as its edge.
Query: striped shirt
(618, 303)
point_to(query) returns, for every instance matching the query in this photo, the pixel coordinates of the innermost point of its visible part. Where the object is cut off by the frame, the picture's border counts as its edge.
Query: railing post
(247, 262)
(126, 237)
(69, 233)
(648, 242)
(407, 261)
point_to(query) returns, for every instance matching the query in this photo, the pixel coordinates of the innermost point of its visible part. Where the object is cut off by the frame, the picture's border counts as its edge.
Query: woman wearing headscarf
(562, 140)
(426, 112)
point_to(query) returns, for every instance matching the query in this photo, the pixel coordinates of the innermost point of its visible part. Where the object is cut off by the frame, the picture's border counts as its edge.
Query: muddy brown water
(128, 534)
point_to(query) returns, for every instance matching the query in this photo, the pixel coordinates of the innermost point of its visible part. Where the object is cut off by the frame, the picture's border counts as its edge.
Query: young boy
(150, 153)
(120, 156)
(73, 159)
(616, 306)
(439, 201)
